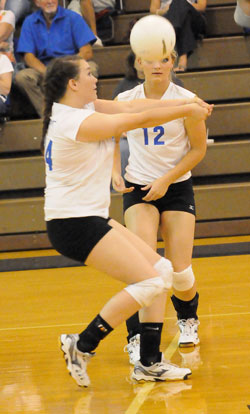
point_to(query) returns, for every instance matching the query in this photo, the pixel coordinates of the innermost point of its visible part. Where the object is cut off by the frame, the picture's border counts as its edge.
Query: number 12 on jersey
(157, 138)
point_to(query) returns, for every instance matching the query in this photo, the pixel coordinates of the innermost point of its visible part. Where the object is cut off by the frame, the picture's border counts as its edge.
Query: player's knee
(145, 292)
(165, 270)
(184, 280)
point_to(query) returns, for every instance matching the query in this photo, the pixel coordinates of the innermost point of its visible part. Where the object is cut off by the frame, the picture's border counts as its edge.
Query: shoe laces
(133, 343)
(85, 356)
(188, 325)
(81, 361)
(165, 362)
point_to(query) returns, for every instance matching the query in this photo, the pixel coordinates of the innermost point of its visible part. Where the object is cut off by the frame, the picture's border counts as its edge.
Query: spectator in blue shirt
(50, 32)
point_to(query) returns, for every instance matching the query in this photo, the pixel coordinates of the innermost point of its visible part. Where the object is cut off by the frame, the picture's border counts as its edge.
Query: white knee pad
(165, 269)
(145, 292)
(183, 280)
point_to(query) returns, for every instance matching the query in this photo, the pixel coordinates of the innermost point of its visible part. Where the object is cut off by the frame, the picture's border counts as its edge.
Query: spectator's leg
(177, 13)
(29, 81)
(3, 108)
(180, 14)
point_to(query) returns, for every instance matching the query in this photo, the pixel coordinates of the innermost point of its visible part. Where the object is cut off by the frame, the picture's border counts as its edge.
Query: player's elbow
(201, 152)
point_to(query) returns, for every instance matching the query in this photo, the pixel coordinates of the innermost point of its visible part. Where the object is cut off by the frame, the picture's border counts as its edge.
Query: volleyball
(152, 38)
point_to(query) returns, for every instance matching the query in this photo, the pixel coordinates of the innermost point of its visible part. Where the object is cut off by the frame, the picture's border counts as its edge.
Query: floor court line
(147, 387)
(214, 315)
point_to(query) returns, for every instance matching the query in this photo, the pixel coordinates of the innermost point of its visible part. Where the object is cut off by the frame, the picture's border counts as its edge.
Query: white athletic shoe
(133, 349)
(188, 332)
(160, 371)
(76, 360)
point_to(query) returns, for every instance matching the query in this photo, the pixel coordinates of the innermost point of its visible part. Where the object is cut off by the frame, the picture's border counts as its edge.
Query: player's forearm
(117, 159)
(103, 126)
(139, 105)
(161, 115)
(187, 163)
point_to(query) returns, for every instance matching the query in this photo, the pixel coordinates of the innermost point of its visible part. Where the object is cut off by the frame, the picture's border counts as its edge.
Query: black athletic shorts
(179, 197)
(76, 237)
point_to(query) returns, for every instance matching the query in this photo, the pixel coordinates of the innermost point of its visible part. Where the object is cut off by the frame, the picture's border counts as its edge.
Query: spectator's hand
(157, 189)
(119, 186)
(161, 12)
(4, 45)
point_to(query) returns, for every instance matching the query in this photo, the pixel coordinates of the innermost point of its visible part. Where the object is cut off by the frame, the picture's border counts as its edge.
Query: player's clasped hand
(157, 189)
(203, 104)
(200, 112)
(119, 185)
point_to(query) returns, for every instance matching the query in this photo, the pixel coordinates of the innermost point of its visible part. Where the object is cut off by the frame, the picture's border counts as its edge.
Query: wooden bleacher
(219, 72)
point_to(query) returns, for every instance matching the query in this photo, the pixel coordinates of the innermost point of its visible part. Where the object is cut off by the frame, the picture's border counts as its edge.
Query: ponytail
(58, 73)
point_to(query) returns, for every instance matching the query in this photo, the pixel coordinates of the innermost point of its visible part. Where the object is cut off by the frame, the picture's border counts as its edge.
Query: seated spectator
(6, 70)
(7, 27)
(242, 14)
(104, 10)
(189, 23)
(86, 10)
(40, 45)
(20, 8)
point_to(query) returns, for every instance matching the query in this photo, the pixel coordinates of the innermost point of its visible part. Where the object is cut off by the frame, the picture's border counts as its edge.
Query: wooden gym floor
(38, 305)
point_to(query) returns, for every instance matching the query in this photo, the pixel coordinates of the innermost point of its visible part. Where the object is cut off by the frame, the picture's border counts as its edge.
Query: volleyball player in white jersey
(79, 155)
(159, 193)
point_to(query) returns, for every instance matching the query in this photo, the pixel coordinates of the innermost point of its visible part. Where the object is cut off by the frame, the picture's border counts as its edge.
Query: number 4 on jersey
(48, 154)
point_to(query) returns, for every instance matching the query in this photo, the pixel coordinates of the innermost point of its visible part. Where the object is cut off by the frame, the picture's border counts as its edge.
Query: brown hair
(58, 73)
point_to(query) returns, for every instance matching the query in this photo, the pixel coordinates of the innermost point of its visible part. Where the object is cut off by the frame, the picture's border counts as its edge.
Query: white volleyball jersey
(154, 151)
(78, 174)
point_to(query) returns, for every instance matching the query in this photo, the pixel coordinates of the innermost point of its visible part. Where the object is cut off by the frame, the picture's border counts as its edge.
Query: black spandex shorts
(179, 197)
(76, 237)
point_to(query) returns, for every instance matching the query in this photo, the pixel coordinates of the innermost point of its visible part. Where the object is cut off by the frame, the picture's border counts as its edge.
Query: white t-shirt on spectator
(165, 3)
(5, 67)
(7, 16)
(5, 64)
(100, 5)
